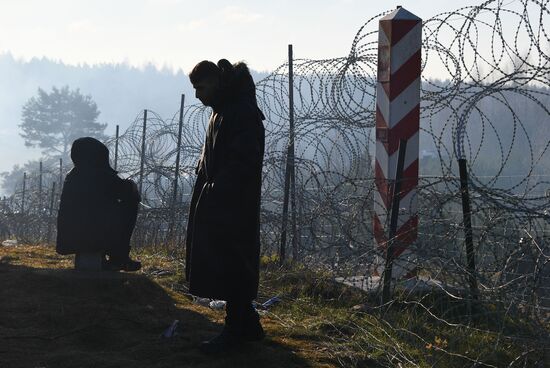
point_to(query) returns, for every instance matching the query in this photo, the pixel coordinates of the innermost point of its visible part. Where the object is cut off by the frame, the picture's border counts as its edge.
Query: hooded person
(223, 232)
(98, 209)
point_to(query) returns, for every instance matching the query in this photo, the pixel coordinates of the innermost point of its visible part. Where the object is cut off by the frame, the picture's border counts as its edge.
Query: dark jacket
(89, 208)
(223, 233)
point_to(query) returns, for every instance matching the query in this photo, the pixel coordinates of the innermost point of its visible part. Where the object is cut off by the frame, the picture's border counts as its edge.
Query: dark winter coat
(223, 233)
(89, 208)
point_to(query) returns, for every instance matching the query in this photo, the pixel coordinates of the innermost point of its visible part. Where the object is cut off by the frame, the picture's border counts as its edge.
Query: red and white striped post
(397, 119)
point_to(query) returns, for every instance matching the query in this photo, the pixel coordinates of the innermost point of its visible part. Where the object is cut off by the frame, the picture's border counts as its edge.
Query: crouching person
(98, 210)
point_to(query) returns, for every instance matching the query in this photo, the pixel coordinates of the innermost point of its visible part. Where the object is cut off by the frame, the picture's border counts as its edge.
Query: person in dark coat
(98, 209)
(223, 233)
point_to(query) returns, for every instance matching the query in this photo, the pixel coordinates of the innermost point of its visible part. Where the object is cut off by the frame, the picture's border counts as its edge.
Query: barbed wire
(485, 98)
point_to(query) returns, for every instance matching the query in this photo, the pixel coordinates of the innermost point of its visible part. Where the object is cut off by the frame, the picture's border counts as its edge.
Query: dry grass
(51, 316)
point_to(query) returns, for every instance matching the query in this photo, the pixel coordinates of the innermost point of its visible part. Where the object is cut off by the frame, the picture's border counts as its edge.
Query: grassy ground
(51, 316)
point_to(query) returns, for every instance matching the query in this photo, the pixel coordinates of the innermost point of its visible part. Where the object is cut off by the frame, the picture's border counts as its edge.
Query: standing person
(223, 233)
(98, 210)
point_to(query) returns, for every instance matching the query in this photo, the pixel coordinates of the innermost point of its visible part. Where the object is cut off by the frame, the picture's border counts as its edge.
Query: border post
(397, 120)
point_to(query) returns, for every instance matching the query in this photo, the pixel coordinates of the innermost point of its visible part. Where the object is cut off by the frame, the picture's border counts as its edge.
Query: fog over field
(120, 92)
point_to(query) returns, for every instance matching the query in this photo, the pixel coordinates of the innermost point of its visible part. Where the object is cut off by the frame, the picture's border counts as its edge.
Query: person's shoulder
(70, 179)
(245, 112)
(111, 176)
(75, 174)
(72, 172)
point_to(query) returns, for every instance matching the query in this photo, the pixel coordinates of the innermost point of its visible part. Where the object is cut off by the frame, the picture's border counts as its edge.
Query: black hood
(88, 152)
(237, 84)
(242, 85)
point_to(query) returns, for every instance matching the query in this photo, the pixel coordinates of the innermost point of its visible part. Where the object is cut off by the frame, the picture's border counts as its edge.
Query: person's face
(207, 89)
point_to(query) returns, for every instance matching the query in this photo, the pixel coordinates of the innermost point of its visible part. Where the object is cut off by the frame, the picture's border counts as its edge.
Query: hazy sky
(178, 33)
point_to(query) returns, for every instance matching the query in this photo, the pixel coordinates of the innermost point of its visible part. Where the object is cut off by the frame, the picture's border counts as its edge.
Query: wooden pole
(398, 85)
(394, 216)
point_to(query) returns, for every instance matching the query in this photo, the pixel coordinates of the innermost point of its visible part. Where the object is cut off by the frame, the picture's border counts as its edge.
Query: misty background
(121, 92)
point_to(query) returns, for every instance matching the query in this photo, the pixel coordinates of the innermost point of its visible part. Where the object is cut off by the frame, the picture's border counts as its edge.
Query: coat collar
(217, 128)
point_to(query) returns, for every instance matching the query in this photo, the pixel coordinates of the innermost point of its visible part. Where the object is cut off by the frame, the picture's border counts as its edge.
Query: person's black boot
(225, 342)
(131, 266)
(252, 328)
(127, 265)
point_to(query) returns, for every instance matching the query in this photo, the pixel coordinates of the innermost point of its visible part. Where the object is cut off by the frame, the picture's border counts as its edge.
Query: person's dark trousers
(124, 221)
(243, 321)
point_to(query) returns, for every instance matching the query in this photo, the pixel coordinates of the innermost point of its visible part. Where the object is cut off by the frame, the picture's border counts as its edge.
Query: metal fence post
(60, 174)
(467, 216)
(178, 152)
(290, 168)
(116, 147)
(394, 216)
(142, 163)
(40, 174)
(50, 220)
(23, 195)
(174, 220)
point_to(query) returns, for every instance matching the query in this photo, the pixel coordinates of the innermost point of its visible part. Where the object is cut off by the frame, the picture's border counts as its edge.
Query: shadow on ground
(60, 318)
